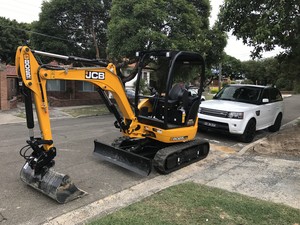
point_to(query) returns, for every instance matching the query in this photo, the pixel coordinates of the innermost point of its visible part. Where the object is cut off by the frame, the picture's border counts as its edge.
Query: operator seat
(178, 95)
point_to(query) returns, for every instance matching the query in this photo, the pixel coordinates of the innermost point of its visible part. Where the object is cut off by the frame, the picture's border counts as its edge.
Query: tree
(215, 53)
(148, 25)
(263, 24)
(231, 67)
(12, 34)
(264, 72)
(73, 27)
(159, 24)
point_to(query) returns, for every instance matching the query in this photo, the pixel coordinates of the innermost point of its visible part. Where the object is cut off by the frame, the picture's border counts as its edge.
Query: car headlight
(235, 115)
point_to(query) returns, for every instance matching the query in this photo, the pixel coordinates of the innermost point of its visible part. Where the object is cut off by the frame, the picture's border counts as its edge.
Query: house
(60, 92)
(8, 87)
(131, 84)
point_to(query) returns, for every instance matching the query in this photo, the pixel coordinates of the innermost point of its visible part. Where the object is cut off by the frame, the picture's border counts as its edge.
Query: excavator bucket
(125, 159)
(53, 184)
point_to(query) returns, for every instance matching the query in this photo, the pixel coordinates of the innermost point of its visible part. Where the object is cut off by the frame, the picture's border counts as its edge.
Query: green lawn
(190, 203)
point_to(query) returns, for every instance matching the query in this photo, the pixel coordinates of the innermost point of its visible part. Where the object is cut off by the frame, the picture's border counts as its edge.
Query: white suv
(242, 110)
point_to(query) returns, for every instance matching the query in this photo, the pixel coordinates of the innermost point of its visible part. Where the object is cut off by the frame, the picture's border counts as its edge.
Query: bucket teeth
(53, 184)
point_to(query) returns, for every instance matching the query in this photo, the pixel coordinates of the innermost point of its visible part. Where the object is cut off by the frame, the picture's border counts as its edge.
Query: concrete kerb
(131, 195)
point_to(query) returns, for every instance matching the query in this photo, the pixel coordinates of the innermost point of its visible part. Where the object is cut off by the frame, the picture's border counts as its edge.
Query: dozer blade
(125, 159)
(53, 184)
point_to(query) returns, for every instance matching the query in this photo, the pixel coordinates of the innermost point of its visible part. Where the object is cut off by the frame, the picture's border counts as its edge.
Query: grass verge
(191, 203)
(87, 111)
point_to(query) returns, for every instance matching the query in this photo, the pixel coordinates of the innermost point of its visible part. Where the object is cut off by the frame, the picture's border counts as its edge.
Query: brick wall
(8, 87)
(3, 88)
(72, 96)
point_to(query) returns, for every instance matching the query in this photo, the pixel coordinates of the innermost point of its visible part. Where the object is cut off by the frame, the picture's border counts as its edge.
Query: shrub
(284, 84)
(214, 90)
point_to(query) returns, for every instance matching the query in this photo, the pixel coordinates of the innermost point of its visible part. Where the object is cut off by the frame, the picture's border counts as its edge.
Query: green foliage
(263, 24)
(296, 88)
(79, 27)
(218, 41)
(247, 81)
(231, 67)
(284, 84)
(214, 90)
(154, 25)
(225, 83)
(264, 72)
(12, 34)
(143, 87)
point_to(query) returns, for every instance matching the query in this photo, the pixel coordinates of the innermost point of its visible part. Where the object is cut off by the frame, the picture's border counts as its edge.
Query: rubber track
(161, 156)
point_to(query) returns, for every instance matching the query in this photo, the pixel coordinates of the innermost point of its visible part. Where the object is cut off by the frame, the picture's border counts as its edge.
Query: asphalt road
(20, 204)
(74, 142)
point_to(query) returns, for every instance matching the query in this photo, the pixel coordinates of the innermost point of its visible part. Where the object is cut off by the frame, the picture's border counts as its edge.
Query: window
(275, 95)
(56, 85)
(265, 94)
(247, 94)
(88, 87)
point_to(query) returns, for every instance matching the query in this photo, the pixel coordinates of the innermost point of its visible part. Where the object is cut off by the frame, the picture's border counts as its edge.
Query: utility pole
(220, 76)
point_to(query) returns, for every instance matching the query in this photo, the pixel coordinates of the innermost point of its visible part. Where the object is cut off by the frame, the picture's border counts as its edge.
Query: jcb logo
(95, 75)
(27, 67)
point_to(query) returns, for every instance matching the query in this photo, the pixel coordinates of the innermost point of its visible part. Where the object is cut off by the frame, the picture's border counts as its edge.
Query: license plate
(210, 124)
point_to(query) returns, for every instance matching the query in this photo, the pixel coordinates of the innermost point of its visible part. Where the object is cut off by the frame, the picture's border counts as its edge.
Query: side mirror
(265, 100)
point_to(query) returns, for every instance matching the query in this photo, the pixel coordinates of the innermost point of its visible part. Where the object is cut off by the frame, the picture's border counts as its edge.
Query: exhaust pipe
(51, 183)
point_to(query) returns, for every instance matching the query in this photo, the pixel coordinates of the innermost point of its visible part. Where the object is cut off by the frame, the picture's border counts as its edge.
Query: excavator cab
(162, 97)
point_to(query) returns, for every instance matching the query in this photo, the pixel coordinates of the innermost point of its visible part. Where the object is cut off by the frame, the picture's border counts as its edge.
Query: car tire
(277, 124)
(249, 132)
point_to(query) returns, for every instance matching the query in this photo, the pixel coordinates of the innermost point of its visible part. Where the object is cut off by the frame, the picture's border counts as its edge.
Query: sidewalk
(269, 179)
(17, 115)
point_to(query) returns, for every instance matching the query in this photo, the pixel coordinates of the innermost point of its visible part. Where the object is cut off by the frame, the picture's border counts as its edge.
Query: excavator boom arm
(35, 76)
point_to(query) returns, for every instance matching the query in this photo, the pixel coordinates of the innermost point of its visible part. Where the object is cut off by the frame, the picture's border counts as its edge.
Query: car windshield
(246, 94)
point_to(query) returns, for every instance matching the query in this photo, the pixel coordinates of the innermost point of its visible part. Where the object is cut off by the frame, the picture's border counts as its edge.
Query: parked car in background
(193, 91)
(242, 110)
(130, 93)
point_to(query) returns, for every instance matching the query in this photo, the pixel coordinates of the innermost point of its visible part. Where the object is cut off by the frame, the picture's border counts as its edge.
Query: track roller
(177, 156)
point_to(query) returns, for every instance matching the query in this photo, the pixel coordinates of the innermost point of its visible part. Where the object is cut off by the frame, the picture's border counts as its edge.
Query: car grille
(214, 112)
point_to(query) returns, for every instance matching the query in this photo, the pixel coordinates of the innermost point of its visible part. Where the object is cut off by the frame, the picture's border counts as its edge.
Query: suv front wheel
(249, 132)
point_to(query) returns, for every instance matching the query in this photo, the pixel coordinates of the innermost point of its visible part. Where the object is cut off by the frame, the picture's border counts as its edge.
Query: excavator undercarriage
(141, 155)
(159, 127)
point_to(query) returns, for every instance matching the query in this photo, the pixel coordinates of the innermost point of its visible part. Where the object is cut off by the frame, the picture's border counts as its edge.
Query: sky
(28, 11)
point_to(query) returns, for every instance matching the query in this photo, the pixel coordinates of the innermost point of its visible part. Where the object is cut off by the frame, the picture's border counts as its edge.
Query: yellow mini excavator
(159, 125)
